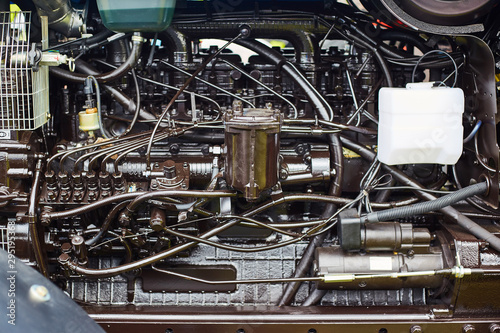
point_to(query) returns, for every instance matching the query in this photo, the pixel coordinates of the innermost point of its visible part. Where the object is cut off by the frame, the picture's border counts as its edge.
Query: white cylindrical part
(88, 121)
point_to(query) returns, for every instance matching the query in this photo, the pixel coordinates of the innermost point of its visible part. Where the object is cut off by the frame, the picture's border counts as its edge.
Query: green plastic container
(136, 15)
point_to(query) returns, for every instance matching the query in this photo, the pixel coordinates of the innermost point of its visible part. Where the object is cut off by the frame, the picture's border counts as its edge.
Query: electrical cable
(424, 207)
(295, 112)
(184, 86)
(208, 83)
(478, 155)
(433, 52)
(99, 111)
(107, 222)
(137, 104)
(166, 86)
(451, 212)
(473, 132)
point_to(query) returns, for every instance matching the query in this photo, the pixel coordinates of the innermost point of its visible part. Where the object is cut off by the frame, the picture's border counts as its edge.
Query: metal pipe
(169, 193)
(279, 280)
(133, 195)
(324, 198)
(107, 272)
(32, 220)
(107, 222)
(61, 15)
(119, 96)
(424, 207)
(208, 83)
(295, 112)
(110, 76)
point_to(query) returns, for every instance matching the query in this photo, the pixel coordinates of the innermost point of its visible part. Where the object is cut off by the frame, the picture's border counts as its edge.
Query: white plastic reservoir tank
(420, 124)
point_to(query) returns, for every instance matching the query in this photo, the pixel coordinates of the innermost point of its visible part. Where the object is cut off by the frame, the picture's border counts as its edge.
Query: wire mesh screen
(24, 103)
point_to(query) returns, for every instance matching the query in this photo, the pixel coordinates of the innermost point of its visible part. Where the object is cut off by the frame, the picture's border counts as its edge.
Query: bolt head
(494, 328)
(39, 293)
(468, 329)
(416, 329)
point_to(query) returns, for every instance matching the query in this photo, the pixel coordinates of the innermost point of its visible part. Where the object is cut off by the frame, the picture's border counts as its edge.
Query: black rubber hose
(107, 223)
(105, 77)
(119, 96)
(98, 37)
(414, 40)
(324, 110)
(381, 61)
(428, 206)
(301, 269)
(314, 297)
(450, 212)
(351, 29)
(112, 271)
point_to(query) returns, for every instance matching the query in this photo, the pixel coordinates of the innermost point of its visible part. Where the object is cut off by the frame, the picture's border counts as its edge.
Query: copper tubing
(235, 248)
(287, 198)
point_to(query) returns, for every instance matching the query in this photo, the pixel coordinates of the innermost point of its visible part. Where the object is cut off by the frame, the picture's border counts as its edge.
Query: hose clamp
(71, 64)
(138, 38)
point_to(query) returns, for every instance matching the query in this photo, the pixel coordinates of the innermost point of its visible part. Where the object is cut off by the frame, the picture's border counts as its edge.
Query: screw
(416, 329)
(66, 248)
(39, 293)
(468, 329)
(64, 258)
(494, 328)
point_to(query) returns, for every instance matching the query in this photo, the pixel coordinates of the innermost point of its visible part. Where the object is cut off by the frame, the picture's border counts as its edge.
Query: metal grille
(24, 103)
